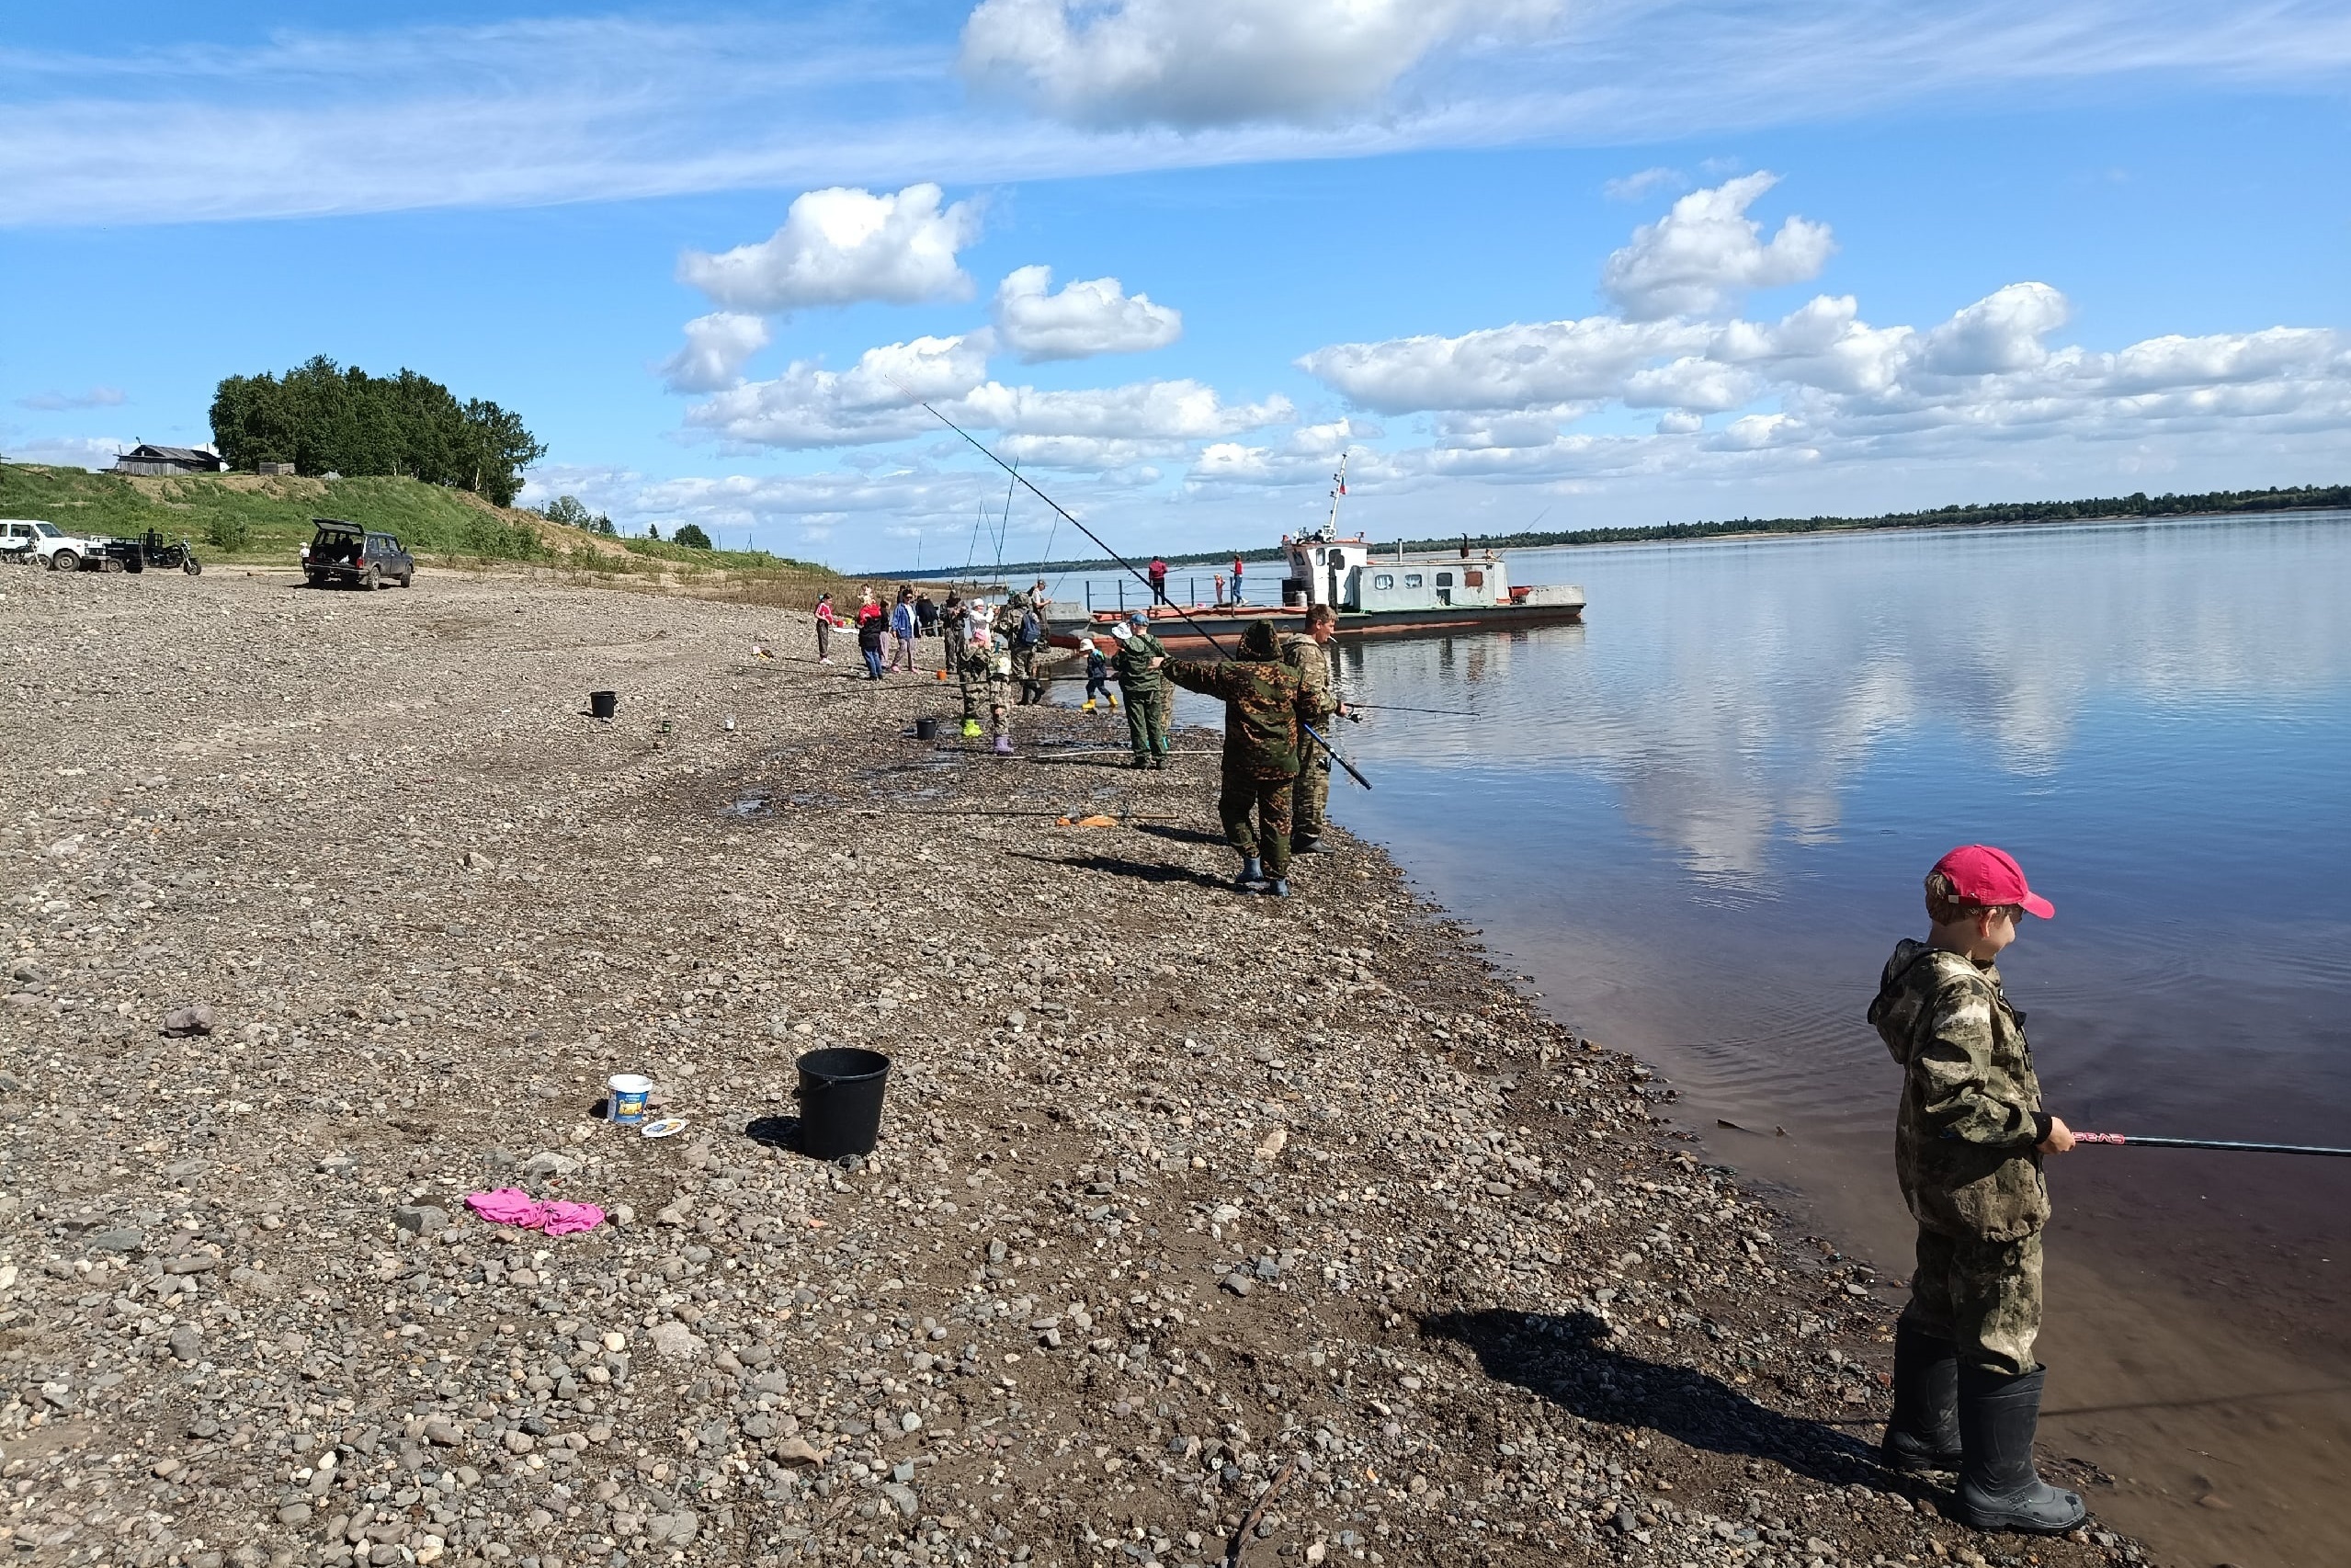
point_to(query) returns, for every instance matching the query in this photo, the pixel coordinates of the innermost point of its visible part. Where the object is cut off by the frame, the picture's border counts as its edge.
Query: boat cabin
(1346, 576)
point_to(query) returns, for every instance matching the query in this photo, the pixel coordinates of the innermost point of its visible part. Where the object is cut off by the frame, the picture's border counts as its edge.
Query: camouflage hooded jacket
(1318, 699)
(1971, 1117)
(1260, 696)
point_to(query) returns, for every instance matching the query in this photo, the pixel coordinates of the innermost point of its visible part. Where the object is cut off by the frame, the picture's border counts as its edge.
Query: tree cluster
(326, 418)
(573, 513)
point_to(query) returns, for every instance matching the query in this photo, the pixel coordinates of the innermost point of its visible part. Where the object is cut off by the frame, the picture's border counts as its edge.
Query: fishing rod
(1394, 708)
(2118, 1138)
(1129, 566)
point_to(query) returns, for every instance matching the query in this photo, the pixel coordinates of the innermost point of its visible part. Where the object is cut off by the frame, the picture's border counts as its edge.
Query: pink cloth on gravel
(513, 1205)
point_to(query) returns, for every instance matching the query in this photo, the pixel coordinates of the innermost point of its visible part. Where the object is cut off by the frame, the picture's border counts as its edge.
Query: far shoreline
(2339, 500)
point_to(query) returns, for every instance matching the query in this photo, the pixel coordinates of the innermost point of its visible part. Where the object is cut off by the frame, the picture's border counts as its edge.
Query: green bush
(692, 536)
(226, 530)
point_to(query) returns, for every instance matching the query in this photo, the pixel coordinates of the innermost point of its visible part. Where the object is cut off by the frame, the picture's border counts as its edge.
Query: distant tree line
(327, 418)
(2210, 503)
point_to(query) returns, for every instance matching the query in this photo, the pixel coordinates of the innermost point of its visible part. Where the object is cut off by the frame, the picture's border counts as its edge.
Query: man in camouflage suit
(1260, 696)
(1308, 652)
(1016, 611)
(1138, 662)
(1967, 1146)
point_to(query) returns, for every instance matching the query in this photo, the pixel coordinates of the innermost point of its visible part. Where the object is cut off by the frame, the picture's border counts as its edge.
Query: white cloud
(1634, 187)
(1194, 64)
(53, 401)
(717, 346)
(68, 451)
(523, 112)
(1999, 334)
(841, 246)
(1093, 316)
(873, 400)
(1548, 364)
(1184, 410)
(1307, 455)
(1707, 252)
(878, 400)
(1986, 376)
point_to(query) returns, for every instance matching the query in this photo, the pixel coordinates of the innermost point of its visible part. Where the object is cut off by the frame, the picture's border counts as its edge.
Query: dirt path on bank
(1192, 1209)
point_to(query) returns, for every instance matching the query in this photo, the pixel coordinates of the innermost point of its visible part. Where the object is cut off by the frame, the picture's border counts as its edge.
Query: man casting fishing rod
(1304, 726)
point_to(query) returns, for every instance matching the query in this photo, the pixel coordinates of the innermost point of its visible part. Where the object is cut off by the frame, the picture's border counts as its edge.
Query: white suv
(21, 538)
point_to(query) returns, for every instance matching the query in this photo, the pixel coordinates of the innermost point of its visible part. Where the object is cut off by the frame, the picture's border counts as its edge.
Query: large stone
(675, 1340)
(192, 1019)
(421, 1220)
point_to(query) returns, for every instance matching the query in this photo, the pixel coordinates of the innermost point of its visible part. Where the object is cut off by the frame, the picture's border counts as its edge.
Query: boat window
(1412, 580)
(1383, 580)
(1474, 579)
(1445, 579)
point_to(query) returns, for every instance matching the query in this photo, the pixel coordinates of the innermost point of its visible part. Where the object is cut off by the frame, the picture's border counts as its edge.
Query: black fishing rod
(1208, 636)
(1395, 708)
(2134, 1139)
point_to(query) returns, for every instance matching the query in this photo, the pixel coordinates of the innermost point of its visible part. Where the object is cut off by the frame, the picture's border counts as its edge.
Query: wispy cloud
(53, 401)
(605, 108)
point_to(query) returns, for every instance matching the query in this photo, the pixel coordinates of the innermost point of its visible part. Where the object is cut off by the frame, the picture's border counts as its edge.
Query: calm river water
(1699, 823)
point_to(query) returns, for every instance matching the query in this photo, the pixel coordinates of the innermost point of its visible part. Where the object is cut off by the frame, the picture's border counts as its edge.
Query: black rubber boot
(1922, 1433)
(1999, 1490)
(1252, 873)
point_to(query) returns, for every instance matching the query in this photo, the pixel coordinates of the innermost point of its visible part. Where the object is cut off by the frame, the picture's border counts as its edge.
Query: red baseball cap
(1981, 874)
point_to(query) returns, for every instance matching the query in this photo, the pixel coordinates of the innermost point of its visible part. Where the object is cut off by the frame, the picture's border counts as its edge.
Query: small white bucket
(629, 1092)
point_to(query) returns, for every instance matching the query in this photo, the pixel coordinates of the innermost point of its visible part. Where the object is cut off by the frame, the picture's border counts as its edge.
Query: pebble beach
(1203, 1227)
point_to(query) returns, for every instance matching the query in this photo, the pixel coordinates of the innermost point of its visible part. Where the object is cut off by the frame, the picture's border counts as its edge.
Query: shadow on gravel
(1142, 870)
(775, 1133)
(1180, 834)
(1559, 1357)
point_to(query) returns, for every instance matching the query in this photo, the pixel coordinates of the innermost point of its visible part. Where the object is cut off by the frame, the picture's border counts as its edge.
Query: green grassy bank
(242, 517)
(245, 514)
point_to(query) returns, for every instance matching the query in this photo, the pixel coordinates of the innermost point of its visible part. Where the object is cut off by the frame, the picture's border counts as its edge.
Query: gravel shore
(1197, 1215)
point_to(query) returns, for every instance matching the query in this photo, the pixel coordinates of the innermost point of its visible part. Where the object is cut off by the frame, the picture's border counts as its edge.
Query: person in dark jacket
(1261, 694)
(872, 621)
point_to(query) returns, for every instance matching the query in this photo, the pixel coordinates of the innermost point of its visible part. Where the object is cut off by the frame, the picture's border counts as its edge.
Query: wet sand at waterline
(1699, 822)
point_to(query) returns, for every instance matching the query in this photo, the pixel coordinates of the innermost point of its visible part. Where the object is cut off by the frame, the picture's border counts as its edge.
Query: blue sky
(1601, 265)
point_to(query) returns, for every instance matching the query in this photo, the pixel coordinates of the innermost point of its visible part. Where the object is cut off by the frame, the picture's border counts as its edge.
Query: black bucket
(602, 704)
(926, 729)
(840, 1101)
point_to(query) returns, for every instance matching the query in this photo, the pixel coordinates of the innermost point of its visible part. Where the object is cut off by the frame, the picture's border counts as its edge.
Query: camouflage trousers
(1024, 670)
(1984, 1297)
(980, 685)
(1309, 804)
(1267, 839)
(1147, 720)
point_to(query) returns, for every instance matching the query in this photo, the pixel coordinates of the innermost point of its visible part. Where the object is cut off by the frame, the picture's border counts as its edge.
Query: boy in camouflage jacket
(1261, 696)
(1967, 1146)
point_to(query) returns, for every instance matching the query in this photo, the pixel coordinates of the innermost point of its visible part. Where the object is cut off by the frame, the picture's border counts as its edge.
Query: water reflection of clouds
(1731, 693)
